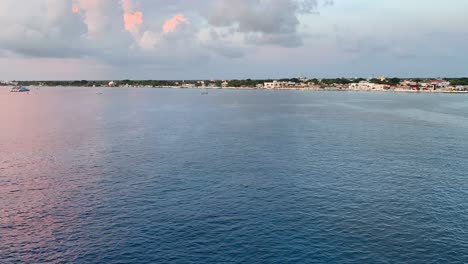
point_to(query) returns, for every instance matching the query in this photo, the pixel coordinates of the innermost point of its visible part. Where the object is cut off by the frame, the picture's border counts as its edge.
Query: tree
(376, 81)
(393, 81)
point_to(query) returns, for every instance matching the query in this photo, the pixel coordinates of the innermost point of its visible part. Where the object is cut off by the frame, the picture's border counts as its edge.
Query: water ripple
(168, 176)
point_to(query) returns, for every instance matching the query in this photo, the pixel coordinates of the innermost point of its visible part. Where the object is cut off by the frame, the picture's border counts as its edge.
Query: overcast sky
(223, 39)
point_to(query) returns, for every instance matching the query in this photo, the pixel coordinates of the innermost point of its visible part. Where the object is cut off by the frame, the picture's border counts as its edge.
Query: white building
(443, 84)
(365, 85)
(8, 83)
(275, 85)
(188, 85)
(270, 85)
(461, 88)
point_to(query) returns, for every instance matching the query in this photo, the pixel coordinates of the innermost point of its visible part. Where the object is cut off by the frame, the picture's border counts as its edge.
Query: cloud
(132, 19)
(158, 31)
(172, 24)
(43, 29)
(262, 22)
(261, 38)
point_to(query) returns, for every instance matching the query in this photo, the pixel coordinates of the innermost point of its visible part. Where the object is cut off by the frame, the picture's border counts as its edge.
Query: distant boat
(19, 89)
(205, 92)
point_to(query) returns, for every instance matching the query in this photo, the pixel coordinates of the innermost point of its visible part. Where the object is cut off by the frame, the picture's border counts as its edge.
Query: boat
(205, 92)
(19, 89)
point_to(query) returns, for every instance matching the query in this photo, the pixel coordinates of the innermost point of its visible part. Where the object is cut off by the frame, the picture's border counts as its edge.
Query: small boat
(205, 92)
(19, 89)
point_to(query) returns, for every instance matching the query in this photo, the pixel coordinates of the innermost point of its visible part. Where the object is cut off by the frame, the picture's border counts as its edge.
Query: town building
(365, 85)
(278, 85)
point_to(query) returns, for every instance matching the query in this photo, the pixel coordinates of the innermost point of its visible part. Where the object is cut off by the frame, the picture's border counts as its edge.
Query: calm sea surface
(173, 176)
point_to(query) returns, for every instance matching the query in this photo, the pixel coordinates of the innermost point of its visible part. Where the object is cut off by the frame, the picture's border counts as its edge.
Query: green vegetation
(458, 81)
(390, 81)
(231, 83)
(85, 83)
(336, 81)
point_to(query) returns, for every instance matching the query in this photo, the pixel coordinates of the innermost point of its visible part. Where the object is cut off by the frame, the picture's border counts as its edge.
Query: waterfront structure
(19, 89)
(365, 85)
(188, 85)
(277, 85)
(461, 88)
(439, 84)
(201, 84)
(270, 85)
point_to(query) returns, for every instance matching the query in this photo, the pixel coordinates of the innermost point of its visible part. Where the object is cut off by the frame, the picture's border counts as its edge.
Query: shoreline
(331, 89)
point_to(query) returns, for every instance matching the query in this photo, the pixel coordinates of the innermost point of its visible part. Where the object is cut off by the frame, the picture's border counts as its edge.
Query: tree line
(458, 81)
(231, 83)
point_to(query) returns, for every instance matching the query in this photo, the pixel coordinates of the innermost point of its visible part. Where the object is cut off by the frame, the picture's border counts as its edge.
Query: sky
(227, 39)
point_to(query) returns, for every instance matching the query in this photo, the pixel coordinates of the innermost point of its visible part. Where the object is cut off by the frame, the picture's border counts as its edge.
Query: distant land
(303, 83)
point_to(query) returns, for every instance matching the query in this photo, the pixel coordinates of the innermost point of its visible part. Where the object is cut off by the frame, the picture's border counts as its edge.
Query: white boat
(19, 89)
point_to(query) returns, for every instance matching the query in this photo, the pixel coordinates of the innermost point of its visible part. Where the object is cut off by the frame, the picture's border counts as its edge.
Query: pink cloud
(133, 21)
(75, 8)
(172, 24)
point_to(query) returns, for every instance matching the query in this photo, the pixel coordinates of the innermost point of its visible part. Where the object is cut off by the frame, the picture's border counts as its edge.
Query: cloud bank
(159, 31)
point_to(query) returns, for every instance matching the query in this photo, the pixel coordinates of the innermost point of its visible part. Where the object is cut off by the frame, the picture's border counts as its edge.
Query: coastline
(328, 89)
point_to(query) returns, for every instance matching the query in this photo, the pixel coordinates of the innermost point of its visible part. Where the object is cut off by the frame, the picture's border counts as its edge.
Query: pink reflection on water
(39, 168)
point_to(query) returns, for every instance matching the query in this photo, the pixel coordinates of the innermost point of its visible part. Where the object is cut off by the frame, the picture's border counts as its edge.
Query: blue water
(173, 176)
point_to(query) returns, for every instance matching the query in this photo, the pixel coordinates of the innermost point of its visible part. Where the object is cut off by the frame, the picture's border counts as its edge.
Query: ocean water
(173, 176)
